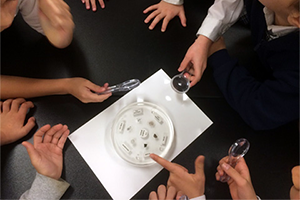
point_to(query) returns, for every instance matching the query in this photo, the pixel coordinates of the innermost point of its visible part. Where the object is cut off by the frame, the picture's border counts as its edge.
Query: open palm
(46, 153)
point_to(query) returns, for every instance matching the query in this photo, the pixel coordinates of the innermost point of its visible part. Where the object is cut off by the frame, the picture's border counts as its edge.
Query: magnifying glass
(180, 83)
(122, 87)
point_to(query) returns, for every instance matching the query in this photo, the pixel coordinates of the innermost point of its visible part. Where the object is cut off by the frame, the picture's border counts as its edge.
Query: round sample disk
(140, 129)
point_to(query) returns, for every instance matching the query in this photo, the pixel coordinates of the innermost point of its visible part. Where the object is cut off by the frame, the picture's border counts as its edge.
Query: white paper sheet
(93, 141)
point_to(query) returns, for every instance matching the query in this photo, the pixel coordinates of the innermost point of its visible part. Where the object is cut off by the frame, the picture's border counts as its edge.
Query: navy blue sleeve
(263, 105)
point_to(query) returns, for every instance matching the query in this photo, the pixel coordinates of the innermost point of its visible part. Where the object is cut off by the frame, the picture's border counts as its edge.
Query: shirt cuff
(211, 28)
(199, 198)
(174, 2)
(44, 187)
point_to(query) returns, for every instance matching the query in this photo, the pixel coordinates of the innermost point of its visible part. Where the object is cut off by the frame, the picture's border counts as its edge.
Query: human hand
(195, 59)
(46, 152)
(8, 12)
(12, 117)
(86, 91)
(165, 11)
(240, 185)
(295, 189)
(217, 46)
(93, 2)
(165, 194)
(191, 185)
(57, 22)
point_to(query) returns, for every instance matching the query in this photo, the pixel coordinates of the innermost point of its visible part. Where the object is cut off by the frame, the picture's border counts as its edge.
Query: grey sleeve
(29, 10)
(44, 187)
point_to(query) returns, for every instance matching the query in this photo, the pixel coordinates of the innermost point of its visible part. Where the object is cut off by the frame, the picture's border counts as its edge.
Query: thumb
(95, 88)
(33, 154)
(199, 165)
(232, 173)
(29, 125)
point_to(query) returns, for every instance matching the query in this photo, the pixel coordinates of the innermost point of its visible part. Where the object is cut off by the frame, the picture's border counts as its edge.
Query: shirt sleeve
(44, 187)
(199, 198)
(221, 15)
(175, 2)
(29, 10)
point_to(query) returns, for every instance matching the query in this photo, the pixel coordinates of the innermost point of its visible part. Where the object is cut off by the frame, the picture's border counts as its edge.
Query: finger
(153, 196)
(49, 134)
(195, 80)
(217, 175)
(184, 64)
(153, 7)
(15, 104)
(93, 98)
(199, 166)
(182, 18)
(163, 162)
(220, 170)
(87, 4)
(155, 21)
(38, 136)
(151, 16)
(93, 2)
(29, 125)
(233, 173)
(6, 105)
(165, 24)
(58, 134)
(171, 193)
(95, 88)
(63, 139)
(25, 107)
(30, 150)
(102, 4)
(161, 192)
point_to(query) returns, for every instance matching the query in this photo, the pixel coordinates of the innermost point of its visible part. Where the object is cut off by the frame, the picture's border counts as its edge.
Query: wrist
(66, 85)
(204, 41)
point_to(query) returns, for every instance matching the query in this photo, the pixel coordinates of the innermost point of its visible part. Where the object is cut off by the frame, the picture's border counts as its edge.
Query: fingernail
(225, 166)
(162, 30)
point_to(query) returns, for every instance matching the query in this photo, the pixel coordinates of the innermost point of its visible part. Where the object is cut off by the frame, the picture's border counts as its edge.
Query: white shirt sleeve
(29, 10)
(199, 198)
(175, 2)
(221, 15)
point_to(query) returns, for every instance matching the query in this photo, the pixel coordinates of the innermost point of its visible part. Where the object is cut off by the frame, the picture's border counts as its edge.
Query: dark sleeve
(262, 105)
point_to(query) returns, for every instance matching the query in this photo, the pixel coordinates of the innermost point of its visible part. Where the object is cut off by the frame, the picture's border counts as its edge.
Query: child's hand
(164, 194)
(165, 11)
(240, 181)
(57, 22)
(295, 189)
(93, 2)
(86, 91)
(191, 185)
(12, 117)
(195, 59)
(46, 153)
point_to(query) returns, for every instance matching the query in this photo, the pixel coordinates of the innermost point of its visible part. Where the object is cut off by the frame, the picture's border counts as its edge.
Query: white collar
(276, 30)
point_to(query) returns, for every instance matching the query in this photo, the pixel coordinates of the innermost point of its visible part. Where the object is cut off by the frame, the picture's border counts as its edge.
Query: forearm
(14, 87)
